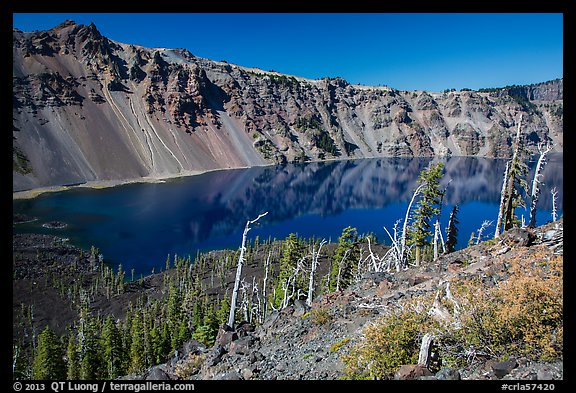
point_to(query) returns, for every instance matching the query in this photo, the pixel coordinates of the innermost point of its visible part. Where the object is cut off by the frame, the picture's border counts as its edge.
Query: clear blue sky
(427, 51)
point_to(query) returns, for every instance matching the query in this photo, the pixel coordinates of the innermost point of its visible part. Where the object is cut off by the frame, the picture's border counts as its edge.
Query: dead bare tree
(340, 265)
(264, 283)
(425, 350)
(398, 253)
(379, 264)
(290, 283)
(315, 256)
(536, 182)
(404, 255)
(484, 225)
(239, 270)
(440, 311)
(502, 200)
(438, 235)
(514, 170)
(554, 193)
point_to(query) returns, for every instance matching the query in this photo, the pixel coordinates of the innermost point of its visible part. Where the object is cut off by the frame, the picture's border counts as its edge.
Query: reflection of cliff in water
(329, 188)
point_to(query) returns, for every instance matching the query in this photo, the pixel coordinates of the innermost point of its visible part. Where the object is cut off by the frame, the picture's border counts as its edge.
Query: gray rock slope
(86, 108)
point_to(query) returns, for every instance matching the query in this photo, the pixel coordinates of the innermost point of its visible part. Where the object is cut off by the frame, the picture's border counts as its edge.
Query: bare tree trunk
(554, 193)
(315, 256)
(425, 350)
(502, 202)
(404, 259)
(484, 225)
(239, 270)
(266, 268)
(436, 232)
(536, 184)
(509, 208)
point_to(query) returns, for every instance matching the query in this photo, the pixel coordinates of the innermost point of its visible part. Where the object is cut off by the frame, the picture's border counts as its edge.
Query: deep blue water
(138, 225)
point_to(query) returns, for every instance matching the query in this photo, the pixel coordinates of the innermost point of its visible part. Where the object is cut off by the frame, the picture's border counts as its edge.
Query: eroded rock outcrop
(89, 108)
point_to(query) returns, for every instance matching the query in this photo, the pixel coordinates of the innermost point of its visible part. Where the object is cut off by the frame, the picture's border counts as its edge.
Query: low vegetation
(521, 316)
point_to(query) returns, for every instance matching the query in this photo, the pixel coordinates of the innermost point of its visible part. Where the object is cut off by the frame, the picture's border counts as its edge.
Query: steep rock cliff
(89, 108)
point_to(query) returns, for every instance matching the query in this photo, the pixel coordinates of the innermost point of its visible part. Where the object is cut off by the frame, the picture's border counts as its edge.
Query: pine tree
(344, 260)
(514, 181)
(452, 231)
(428, 207)
(91, 360)
(113, 349)
(293, 250)
(48, 362)
(184, 334)
(73, 359)
(137, 356)
(224, 310)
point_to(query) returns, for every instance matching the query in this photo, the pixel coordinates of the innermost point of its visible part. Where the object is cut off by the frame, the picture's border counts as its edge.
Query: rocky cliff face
(88, 108)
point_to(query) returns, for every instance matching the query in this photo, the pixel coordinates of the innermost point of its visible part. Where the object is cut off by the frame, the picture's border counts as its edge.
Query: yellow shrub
(521, 316)
(389, 343)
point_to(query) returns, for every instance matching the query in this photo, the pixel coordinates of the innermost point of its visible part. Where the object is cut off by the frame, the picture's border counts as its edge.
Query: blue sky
(428, 51)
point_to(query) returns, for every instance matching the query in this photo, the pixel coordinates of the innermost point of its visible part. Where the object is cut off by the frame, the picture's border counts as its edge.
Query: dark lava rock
(224, 338)
(300, 308)
(241, 346)
(518, 236)
(157, 374)
(502, 368)
(448, 374)
(229, 376)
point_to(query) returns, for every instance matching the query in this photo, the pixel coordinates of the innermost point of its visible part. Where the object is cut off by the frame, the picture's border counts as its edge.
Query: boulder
(518, 236)
(244, 328)
(241, 346)
(448, 374)
(157, 374)
(224, 338)
(300, 308)
(215, 355)
(255, 356)
(501, 369)
(412, 371)
(229, 376)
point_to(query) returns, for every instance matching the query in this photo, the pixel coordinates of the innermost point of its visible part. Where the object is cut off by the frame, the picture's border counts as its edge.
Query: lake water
(138, 225)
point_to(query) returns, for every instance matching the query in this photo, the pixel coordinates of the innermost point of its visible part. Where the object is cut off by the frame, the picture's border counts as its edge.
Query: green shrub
(336, 346)
(389, 343)
(320, 316)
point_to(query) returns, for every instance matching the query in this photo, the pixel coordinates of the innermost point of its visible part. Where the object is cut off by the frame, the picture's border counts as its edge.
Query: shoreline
(98, 184)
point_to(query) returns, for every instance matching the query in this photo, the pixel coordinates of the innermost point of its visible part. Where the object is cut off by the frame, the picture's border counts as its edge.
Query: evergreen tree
(156, 345)
(452, 231)
(48, 362)
(184, 334)
(91, 360)
(293, 251)
(428, 207)
(73, 359)
(344, 260)
(137, 355)
(113, 349)
(165, 340)
(174, 314)
(224, 310)
(514, 181)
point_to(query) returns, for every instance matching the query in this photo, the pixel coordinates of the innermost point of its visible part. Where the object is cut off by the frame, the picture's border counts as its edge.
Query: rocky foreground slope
(301, 342)
(87, 108)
